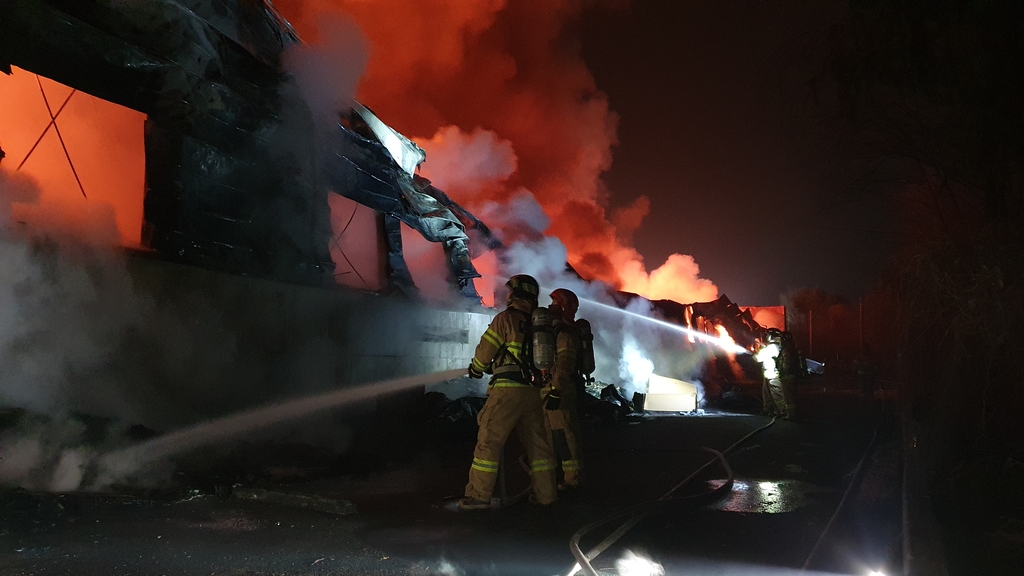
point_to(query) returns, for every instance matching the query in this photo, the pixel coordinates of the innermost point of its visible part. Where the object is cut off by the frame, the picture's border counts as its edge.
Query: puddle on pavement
(765, 496)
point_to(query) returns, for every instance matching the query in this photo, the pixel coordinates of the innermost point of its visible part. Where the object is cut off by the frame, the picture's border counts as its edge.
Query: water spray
(723, 343)
(121, 463)
(714, 340)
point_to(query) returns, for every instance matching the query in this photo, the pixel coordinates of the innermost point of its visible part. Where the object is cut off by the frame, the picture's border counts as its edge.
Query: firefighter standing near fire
(560, 413)
(768, 356)
(513, 401)
(789, 370)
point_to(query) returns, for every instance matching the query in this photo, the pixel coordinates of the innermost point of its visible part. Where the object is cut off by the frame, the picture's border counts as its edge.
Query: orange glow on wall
(104, 141)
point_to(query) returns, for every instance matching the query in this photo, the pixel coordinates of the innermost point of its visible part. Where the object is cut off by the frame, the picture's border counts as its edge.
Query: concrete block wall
(253, 341)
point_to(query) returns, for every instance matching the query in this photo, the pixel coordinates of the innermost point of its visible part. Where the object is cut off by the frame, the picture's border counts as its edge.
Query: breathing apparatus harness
(532, 367)
(585, 362)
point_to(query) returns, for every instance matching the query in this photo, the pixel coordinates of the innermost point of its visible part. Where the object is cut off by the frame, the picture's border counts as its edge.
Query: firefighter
(789, 371)
(767, 404)
(768, 357)
(560, 415)
(513, 401)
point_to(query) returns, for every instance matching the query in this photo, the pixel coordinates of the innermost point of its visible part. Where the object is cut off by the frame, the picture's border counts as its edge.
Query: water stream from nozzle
(715, 340)
(121, 463)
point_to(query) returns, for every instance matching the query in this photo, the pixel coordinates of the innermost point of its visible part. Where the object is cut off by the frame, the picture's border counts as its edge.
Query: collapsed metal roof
(232, 181)
(722, 311)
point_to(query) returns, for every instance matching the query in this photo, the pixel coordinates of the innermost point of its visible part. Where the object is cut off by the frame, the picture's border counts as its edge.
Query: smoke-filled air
(514, 127)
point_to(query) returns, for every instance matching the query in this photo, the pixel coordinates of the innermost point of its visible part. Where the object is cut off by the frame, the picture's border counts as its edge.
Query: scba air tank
(585, 359)
(543, 339)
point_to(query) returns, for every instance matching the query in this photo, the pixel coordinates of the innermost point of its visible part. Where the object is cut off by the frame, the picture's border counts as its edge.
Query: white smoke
(328, 71)
(75, 337)
(65, 298)
(518, 217)
(635, 368)
(61, 454)
(473, 168)
(464, 165)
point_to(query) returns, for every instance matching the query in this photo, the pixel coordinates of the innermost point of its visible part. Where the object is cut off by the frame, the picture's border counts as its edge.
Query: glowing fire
(437, 71)
(104, 142)
(730, 349)
(440, 70)
(724, 335)
(688, 312)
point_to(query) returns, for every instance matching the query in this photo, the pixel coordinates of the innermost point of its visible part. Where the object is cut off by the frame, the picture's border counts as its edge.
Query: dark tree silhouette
(932, 100)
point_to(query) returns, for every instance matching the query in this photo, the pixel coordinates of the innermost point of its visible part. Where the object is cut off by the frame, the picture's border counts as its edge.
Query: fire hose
(638, 512)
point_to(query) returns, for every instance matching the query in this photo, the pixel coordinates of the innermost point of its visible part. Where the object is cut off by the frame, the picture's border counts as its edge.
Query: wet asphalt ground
(789, 480)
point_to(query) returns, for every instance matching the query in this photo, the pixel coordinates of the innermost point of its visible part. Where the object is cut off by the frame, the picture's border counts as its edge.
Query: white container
(670, 395)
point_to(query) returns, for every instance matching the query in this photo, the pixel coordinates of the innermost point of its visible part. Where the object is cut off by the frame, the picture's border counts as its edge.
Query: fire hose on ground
(638, 512)
(634, 514)
(846, 493)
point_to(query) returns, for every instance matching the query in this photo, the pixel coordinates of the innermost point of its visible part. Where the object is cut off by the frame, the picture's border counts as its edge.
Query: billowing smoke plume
(326, 72)
(66, 306)
(512, 121)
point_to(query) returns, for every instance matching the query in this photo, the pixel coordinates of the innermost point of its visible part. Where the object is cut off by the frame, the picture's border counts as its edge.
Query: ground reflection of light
(690, 566)
(632, 564)
(763, 496)
(727, 345)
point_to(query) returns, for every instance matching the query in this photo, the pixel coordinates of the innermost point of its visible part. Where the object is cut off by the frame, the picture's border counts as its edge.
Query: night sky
(720, 127)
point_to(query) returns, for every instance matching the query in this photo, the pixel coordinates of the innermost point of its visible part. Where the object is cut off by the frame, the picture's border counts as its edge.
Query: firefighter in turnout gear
(768, 356)
(513, 401)
(560, 415)
(789, 370)
(780, 361)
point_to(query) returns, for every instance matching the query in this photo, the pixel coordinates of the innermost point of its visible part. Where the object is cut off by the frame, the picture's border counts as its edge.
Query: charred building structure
(237, 178)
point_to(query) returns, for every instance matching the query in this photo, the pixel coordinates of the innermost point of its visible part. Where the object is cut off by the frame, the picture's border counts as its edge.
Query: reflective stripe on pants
(512, 408)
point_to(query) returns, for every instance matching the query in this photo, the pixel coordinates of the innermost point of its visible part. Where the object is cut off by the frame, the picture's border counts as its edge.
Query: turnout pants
(789, 395)
(783, 392)
(514, 407)
(767, 403)
(564, 432)
(778, 400)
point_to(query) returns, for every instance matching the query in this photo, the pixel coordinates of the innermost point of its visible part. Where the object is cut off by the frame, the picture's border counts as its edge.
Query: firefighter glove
(553, 401)
(474, 373)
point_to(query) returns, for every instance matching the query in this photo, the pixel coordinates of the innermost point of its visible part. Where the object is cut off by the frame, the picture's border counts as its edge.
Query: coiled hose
(634, 514)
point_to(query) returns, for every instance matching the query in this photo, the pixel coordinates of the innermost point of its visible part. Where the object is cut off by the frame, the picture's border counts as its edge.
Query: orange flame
(440, 70)
(724, 334)
(503, 66)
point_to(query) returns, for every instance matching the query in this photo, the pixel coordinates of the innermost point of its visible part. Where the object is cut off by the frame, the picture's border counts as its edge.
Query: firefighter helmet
(566, 301)
(773, 335)
(524, 286)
